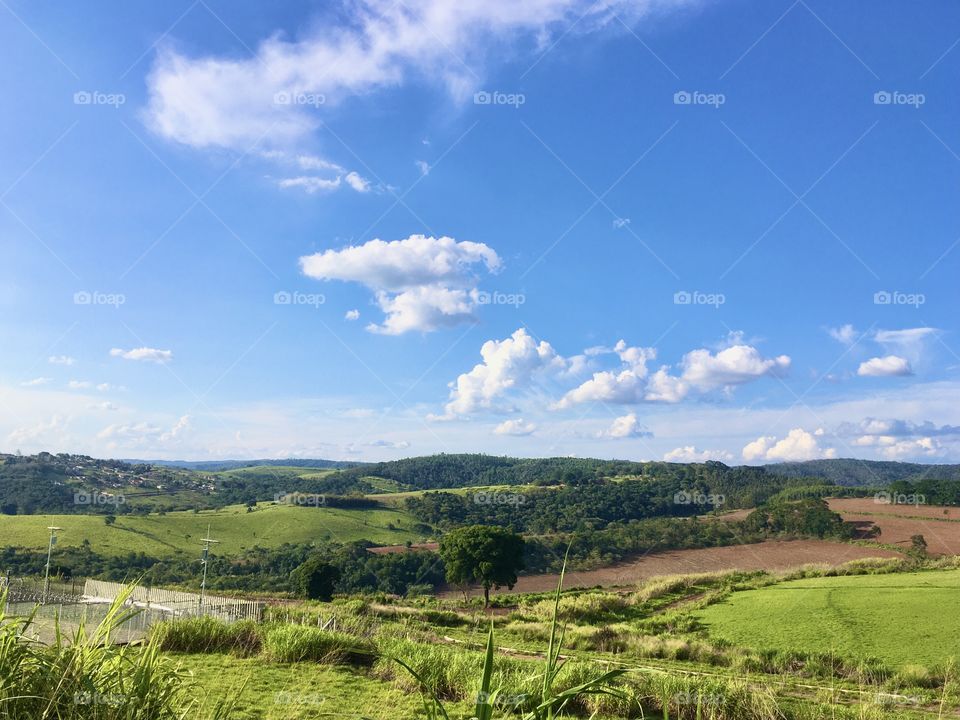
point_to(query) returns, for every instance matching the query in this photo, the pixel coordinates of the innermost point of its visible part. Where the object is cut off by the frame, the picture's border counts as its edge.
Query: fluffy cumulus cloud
(280, 94)
(143, 354)
(518, 427)
(508, 365)
(690, 454)
(798, 445)
(143, 434)
(898, 439)
(845, 334)
(887, 366)
(420, 283)
(700, 370)
(626, 426)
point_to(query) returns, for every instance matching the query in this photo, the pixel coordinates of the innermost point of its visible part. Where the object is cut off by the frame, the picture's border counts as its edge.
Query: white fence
(176, 602)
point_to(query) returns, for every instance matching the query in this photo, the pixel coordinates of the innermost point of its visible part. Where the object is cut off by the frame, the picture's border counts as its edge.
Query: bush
(297, 643)
(207, 635)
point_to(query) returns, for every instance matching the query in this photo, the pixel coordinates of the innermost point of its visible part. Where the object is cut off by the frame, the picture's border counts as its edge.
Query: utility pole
(203, 561)
(46, 576)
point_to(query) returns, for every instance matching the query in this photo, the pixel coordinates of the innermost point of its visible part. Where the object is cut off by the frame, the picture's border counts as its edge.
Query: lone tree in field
(316, 578)
(489, 556)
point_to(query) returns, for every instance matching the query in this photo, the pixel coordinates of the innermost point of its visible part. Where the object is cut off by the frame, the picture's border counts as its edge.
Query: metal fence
(175, 602)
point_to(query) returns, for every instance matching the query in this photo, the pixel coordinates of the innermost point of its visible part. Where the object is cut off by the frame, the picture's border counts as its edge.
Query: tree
(110, 519)
(918, 546)
(490, 556)
(315, 578)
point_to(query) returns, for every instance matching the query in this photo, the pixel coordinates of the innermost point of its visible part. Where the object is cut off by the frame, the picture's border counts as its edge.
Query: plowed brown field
(940, 526)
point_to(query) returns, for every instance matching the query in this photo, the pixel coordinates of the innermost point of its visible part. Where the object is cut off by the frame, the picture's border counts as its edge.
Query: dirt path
(768, 555)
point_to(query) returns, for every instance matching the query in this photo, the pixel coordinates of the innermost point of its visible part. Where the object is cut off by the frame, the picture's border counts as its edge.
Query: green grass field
(161, 535)
(904, 618)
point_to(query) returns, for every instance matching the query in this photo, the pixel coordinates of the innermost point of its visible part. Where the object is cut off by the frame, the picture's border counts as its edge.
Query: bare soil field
(898, 523)
(769, 555)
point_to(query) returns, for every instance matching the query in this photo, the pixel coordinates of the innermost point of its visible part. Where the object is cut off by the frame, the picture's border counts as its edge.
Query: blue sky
(673, 229)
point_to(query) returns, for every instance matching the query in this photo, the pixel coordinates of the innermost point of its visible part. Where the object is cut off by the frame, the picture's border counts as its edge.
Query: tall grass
(86, 677)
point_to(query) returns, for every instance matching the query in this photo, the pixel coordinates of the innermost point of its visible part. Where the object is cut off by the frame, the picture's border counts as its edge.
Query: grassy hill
(901, 617)
(269, 525)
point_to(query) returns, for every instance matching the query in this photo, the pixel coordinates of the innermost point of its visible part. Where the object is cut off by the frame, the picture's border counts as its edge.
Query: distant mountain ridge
(218, 465)
(853, 472)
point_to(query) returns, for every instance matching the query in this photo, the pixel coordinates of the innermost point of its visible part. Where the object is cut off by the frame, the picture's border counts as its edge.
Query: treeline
(674, 491)
(848, 471)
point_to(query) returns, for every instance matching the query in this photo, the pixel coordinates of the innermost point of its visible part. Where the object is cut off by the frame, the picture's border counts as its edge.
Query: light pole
(46, 576)
(203, 561)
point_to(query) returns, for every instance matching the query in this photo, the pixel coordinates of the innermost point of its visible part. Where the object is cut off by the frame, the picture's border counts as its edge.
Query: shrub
(207, 635)
(297, 643)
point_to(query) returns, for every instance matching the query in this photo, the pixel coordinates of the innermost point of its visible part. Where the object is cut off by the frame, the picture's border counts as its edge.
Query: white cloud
(845, 334)
(43, 433)
(61, 360)
(352, 315)
(626, 426)
(36, 382)
(888, 366)
(517, 427)
(909, 343)
(508, 365)
(733, 366)
(421, 283)
(143, 353)
(690, 454)
(310, 183)
(700, 369)
(229, 102)
(142, 434)
(798, 445)
(357, 182)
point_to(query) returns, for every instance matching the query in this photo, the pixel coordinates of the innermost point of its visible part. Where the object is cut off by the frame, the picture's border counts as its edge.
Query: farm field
(940, 526)
(771, 555)
(269, 525)
(904, 618)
